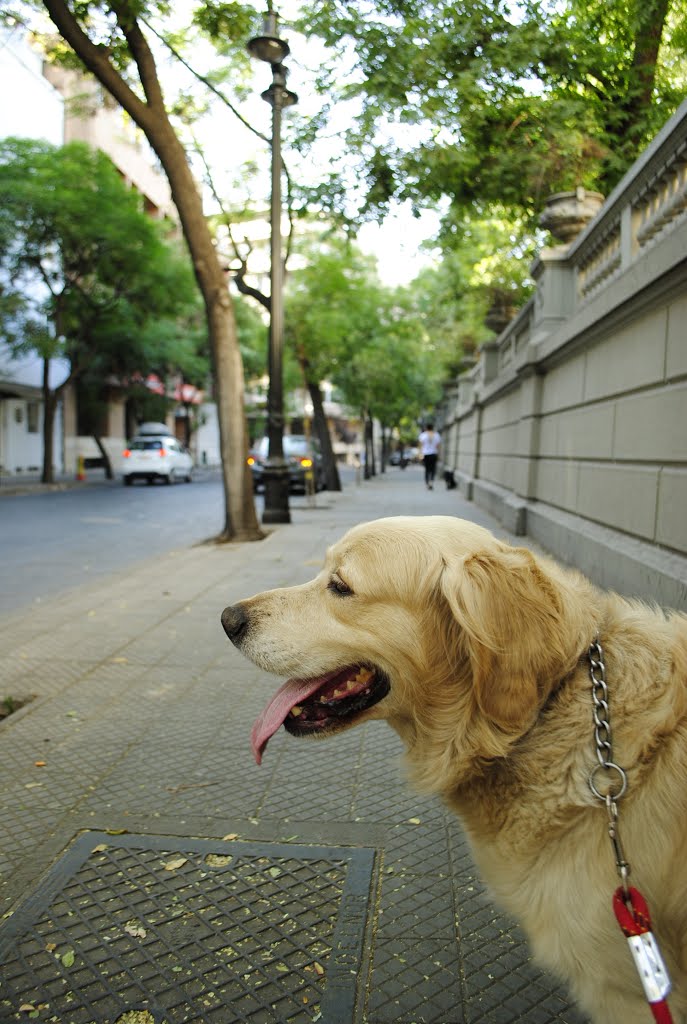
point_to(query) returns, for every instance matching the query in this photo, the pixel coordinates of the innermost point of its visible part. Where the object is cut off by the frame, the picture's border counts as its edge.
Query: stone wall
(572, 425)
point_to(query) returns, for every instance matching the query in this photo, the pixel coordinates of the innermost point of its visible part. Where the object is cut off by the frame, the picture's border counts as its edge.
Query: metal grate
(133, 929)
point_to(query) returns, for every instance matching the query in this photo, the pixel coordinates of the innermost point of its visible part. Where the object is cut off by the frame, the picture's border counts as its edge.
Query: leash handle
(632, 914)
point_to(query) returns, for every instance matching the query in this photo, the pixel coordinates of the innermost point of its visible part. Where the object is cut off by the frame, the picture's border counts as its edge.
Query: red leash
(629, 905)
(632, 913)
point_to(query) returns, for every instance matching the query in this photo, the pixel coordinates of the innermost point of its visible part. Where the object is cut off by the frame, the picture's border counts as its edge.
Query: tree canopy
(494, 102)
(86, 275)
(374, 343)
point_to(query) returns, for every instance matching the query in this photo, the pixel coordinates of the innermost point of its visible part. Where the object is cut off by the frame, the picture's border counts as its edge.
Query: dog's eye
(337, 585)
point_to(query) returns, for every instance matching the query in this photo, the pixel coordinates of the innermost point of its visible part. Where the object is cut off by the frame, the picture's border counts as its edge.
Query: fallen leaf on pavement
(172, 865)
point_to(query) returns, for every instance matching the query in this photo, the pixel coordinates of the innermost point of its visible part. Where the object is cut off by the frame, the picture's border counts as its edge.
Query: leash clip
(620, 862)
(632, 913)
(651, 969)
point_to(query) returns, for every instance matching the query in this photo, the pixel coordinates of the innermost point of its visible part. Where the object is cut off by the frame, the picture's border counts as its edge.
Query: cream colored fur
(486, 646)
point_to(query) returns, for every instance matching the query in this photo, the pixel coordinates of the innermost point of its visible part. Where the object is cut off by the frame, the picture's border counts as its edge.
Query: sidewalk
(156, 875)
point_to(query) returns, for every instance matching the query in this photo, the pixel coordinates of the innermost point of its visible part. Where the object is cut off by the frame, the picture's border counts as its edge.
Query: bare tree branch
(240, 274)
(206, 82)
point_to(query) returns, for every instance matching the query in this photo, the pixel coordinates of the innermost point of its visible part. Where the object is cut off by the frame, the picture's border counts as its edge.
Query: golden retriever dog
(478, 654)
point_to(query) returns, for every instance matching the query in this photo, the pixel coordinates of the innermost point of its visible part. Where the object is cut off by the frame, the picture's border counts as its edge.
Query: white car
(156, 457)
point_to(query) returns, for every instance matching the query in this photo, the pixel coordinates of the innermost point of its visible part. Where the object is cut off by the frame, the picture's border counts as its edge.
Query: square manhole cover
(133, 929)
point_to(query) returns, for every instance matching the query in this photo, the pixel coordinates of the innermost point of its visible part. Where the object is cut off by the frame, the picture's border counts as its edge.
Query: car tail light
(126, 453)
(306, 463)
(250, 461)
(163, 452)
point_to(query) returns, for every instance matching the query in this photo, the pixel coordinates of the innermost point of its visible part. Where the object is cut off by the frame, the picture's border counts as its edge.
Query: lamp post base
(276, 483)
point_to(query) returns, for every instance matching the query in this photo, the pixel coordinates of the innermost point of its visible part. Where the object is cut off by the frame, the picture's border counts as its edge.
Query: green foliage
(489, 103)
(487, 257)
(90, 276)
(370, 341)
(226, 22)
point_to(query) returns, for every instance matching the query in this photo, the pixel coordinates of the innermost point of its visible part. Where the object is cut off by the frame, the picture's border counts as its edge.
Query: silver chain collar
(614, 775)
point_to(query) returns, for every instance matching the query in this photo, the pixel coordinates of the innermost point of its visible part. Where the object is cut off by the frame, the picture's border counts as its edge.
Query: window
(32, 410)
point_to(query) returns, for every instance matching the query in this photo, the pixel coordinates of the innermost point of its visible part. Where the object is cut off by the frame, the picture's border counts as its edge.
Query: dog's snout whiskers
(235, 622)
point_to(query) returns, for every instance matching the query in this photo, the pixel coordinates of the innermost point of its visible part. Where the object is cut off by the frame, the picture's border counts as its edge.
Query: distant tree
(485, 269)
(385, 349)
(397, 372)
(83, 268)
(332, 310)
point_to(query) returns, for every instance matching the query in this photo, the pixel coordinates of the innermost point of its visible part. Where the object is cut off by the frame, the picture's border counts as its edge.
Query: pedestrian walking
(430, 446)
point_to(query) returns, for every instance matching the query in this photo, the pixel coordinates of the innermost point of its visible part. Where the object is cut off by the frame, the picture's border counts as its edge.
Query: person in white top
(430, 446)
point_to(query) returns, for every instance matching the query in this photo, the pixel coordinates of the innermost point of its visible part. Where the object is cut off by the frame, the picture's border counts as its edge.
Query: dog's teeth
(296, 711)
(337, 693)
(351, 684)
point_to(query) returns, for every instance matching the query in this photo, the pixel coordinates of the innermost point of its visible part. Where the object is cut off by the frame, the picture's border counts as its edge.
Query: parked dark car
(302, 457)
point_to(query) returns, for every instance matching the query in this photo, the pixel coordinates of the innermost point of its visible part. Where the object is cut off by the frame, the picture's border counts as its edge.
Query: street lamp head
(268, 46)
(278, 90)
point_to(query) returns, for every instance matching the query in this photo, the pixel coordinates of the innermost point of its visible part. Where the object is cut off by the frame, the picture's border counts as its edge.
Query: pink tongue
(287, 696)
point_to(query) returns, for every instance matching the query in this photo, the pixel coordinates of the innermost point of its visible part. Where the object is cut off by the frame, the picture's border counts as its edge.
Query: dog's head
(429, 622)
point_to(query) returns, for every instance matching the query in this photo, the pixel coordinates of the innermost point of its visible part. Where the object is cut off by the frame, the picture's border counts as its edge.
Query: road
(54, 541)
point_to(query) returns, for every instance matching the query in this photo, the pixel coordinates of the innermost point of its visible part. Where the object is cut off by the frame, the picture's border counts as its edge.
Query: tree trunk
(385, 448)
(240, 520)
(321, 429)
(187, 425)
(627, 117)
(370, 468)
(373, 457)
(651, 21)
(49, 406)
(109, 475)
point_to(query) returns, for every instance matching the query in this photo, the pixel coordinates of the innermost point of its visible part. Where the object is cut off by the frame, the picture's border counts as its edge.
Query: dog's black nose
(235, 622)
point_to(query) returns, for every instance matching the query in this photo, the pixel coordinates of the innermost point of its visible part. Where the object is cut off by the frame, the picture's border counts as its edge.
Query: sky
(396, 243)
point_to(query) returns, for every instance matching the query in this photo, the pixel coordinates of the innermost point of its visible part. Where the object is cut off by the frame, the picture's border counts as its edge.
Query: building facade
(36, 111)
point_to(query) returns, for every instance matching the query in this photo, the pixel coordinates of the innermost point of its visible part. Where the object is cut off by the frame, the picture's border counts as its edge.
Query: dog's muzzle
(235, 622)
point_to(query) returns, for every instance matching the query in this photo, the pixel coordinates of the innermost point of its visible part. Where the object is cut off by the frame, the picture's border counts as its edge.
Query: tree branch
(206, 82)
(142, 54)
(96, 60)
(240, 274)
(246, 289)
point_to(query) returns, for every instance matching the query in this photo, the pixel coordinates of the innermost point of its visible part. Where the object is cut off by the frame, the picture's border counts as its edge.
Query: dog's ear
(509, 614)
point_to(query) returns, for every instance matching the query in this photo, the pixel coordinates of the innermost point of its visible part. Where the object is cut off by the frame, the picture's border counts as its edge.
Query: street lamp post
(270, 48)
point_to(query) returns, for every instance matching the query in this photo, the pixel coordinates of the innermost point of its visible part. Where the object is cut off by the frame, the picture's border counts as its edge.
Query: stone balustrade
(571, 426)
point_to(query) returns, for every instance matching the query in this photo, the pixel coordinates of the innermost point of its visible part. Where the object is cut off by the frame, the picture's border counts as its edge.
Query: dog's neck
(490, 786)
